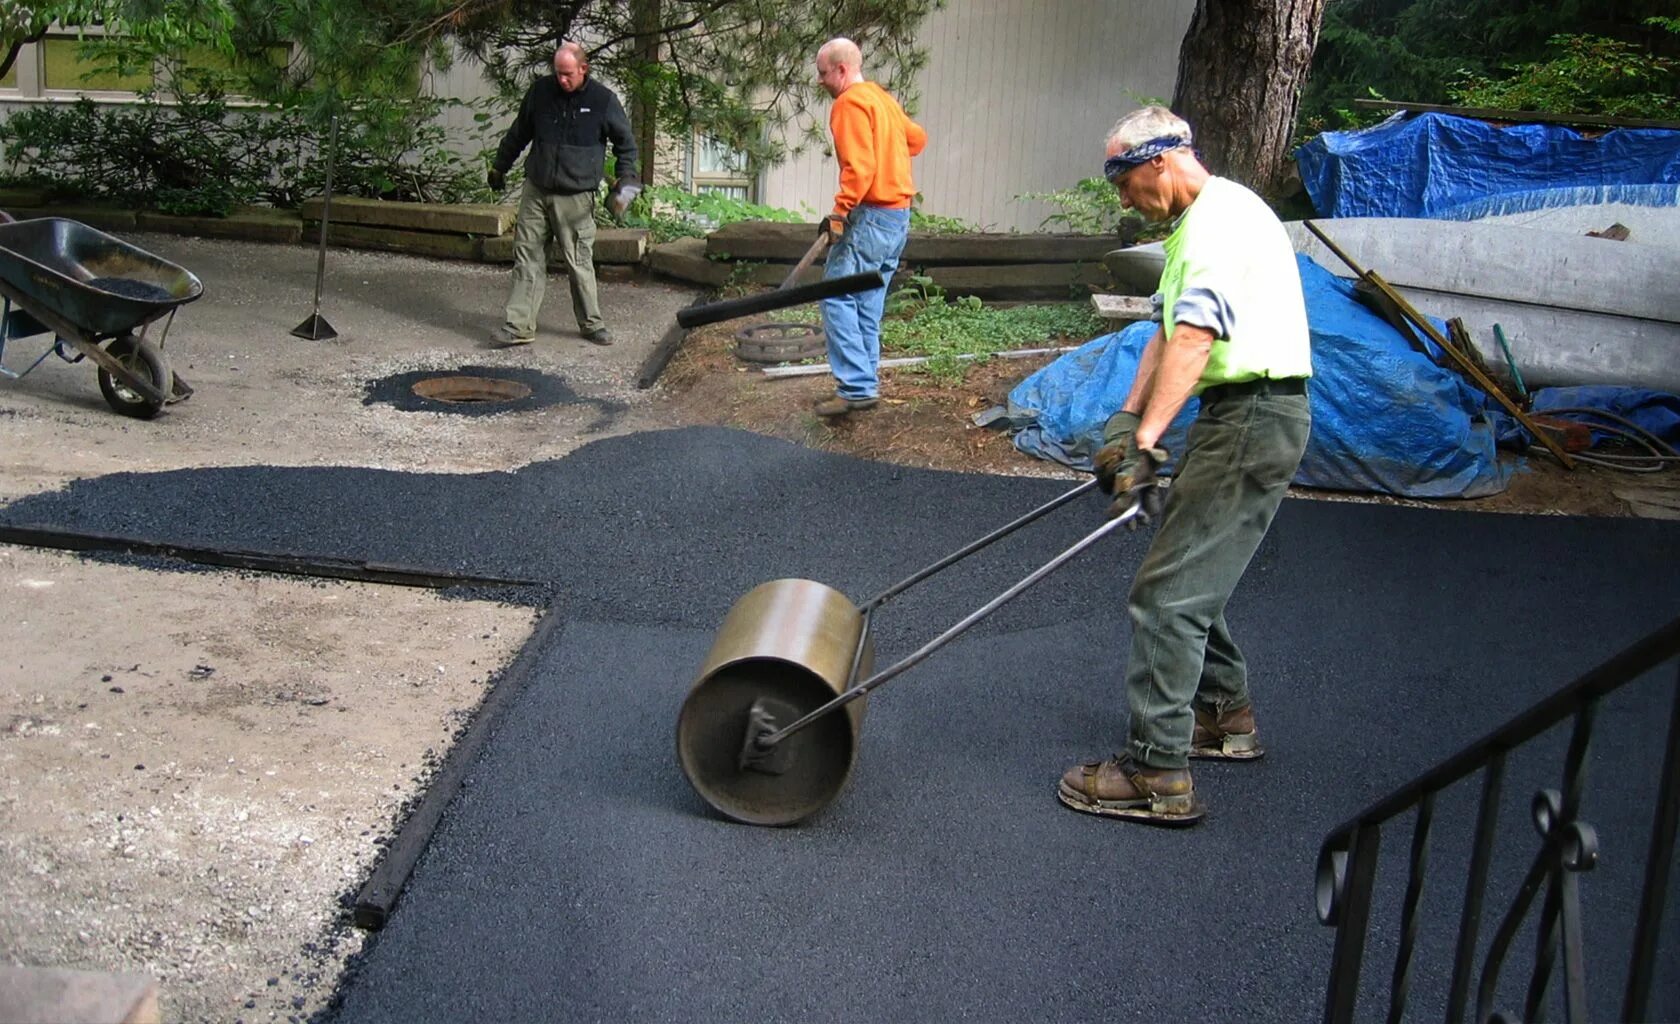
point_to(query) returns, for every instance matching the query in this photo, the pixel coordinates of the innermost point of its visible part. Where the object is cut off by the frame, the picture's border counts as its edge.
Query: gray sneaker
(599, 336)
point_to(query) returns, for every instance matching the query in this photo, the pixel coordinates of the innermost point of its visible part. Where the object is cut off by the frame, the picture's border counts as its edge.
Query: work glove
(497, 180)
(623, 192)
(1135, 482)
(832, 227)
(1118, 434)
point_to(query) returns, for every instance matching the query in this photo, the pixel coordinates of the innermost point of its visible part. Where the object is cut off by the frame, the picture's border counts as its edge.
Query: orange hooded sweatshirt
(874, 141)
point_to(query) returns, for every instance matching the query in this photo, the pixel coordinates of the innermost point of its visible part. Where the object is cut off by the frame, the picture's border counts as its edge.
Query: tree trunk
(644, 115)
(1240, 73)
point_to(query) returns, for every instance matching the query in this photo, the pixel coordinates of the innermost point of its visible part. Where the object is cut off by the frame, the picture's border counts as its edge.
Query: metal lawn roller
(769, 732)
(91, 291)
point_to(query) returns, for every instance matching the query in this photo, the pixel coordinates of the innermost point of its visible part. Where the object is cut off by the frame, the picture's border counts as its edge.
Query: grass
(923, 324)
(921, 321)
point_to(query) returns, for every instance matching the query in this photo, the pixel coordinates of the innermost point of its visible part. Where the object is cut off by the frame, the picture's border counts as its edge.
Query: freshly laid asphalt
(577, 877)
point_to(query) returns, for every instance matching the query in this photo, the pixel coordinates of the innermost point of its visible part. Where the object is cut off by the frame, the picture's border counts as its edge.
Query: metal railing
(1347, 862)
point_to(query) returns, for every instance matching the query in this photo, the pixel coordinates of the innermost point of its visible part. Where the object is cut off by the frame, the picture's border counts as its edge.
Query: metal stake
(316, 328)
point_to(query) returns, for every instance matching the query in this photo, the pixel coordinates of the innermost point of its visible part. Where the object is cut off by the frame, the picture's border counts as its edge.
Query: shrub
(201, 155)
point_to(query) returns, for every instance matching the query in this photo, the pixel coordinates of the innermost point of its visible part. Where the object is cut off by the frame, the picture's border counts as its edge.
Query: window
(720, 170)
(65, 69)
(55, 67)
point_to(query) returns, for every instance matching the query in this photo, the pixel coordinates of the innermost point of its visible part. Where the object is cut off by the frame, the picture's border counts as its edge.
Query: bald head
(839, 65)
(571, 66)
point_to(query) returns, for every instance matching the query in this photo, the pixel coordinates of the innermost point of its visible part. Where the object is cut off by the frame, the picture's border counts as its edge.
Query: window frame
(31, 87)
(744, 179)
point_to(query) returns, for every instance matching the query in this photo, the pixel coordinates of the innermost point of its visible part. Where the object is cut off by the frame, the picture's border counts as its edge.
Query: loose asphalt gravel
(578, 878)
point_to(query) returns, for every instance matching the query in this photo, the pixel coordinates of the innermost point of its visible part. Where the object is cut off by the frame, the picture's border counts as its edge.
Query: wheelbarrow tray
(48, 267)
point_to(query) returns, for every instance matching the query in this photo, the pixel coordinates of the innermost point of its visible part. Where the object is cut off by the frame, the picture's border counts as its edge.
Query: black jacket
(568, 135)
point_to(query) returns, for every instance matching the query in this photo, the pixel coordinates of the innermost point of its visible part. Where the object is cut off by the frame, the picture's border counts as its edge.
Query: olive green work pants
(571, 220)
(1242, 451)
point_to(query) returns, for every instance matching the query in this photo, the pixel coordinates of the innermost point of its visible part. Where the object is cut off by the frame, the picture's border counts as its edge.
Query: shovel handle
(805, 261)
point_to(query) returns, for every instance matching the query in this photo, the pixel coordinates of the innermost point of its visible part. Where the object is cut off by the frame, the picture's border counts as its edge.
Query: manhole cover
(780, 343)
(460, 389)
(482, 391)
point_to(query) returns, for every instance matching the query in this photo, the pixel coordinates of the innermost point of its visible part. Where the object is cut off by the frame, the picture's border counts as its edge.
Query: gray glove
(623, 193)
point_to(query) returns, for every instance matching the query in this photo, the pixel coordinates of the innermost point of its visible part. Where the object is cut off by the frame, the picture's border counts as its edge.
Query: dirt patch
(927, 423)
(921, 421)
(200, 766)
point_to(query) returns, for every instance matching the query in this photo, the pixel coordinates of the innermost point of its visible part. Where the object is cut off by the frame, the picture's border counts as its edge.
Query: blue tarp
(1386, 417)
(1655, 412)
(1427, 165)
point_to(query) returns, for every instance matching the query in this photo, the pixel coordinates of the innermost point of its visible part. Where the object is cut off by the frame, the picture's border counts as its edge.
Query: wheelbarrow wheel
(144, 361)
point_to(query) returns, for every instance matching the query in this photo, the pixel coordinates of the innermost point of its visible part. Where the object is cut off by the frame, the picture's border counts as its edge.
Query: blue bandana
(1139, 155)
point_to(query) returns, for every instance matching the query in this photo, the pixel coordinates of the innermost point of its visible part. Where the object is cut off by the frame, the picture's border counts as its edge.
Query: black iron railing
(1347, 863)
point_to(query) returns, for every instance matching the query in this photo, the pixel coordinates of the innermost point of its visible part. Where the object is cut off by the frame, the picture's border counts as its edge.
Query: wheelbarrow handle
(921, 654)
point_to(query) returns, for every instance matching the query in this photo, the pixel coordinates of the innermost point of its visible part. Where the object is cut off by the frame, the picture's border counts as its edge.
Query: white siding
(1016, 97)
(463, 80)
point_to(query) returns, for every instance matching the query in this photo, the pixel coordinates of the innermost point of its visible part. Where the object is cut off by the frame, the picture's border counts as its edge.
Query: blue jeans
(874, 239)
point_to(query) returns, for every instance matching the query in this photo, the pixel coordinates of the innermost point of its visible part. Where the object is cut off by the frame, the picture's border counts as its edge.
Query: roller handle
(921, 654)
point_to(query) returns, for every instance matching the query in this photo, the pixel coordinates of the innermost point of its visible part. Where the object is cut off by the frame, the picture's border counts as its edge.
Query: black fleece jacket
(568, 134)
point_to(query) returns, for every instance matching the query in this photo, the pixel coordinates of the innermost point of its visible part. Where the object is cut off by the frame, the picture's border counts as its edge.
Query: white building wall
(1016, 97)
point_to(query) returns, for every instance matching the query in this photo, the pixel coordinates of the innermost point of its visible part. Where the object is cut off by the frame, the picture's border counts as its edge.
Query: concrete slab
(415, 243)
(253, 224)
(480, 219)
(757, 240)
(612, 246)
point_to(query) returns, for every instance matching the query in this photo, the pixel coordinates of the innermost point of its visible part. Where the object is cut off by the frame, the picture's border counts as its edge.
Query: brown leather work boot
(1122, 788)
(837, 406)
(1225, 737)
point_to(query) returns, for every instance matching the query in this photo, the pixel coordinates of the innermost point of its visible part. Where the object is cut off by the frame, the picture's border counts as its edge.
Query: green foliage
(669, 213)
(199, 155)
(1584, 75)
(1419, 50)
(922, 321)
(934, 224)
(1091, 207)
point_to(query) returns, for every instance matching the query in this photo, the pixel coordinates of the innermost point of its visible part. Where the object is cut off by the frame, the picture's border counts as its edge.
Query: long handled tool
(315, 326)
(759, 737)
(788, 294)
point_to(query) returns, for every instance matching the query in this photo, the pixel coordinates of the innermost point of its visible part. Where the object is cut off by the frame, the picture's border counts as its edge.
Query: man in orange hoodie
(874, 142)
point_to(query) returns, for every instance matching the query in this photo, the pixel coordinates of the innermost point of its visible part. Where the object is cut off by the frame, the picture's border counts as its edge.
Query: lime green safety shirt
(1230, 268)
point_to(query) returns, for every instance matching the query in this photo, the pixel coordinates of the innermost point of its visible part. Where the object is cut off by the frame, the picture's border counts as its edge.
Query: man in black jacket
(567, 120)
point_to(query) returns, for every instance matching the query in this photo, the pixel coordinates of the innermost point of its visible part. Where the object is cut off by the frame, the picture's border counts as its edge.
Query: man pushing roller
(1234, 332)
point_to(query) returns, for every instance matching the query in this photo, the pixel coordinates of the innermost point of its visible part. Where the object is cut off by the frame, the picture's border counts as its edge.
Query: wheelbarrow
(92, 292)
(769, 732)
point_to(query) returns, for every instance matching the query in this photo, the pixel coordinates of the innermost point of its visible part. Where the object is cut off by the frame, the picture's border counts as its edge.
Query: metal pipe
(326, 214)
(921, 653)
